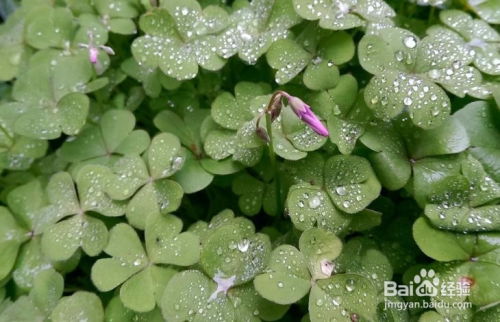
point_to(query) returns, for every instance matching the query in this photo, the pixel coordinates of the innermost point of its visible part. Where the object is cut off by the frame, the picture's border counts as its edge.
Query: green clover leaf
(235, 252)
(255, 194)
(17, 152)
(463, 313)
(114, 114)
(146, 181)
(179, 38)
(47, 288)
(12, 238)
(135, 268)
(46, 80)
(487, 10)
(52, 98)
(476, 35)
(114, 135)
(194, 176)
(198, 170)
(186, 128)
(406, 70)
(487, 314)
(283, 283)
(331, 297)
(115, 310)
(80, 305)
(359, 257)
(32, 260)
(342, 184)
(429, 172)
(119, 8)
(197, 298)
(341, 303)
(62, 239)
(231, 113)
(48, 27)
(42, 299)
(225, 217)
(310, 206)
(21, 310)
(470, 257)
(345, 14)
(390, 160)
(308, 170)
(12, 50)
(456, 246)
(91, 29)
(347, 122)
(166, 244)
(320, 247)
(220, 144)
(467, 202)
(117, 15)
(254, 27)
(289, 59)
(152, 80)
(350, 182)
(400, 147)
(31, 215)
(479, 120)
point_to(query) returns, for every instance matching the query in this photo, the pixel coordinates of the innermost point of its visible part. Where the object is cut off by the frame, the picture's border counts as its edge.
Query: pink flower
(94, 50)
(93, 53)
(304, 112)
(223, 285)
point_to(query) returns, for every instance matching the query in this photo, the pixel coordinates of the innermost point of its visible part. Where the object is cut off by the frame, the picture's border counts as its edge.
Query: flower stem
(274, 162)
(431, 15)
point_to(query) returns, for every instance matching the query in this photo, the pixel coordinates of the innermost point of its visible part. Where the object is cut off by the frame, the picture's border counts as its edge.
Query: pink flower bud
(304, 112)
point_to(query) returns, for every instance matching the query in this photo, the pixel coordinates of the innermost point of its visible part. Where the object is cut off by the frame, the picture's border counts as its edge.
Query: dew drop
(314, 203)
(349, 286)
(410, 42)
(340, 190)
(399, 55)
(243, 245)
(434, 73)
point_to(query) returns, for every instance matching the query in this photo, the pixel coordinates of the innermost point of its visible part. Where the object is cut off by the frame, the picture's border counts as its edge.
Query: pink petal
(93, 53)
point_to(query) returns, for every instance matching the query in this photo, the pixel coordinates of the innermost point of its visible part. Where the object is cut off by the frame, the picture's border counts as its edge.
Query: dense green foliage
(149, 174)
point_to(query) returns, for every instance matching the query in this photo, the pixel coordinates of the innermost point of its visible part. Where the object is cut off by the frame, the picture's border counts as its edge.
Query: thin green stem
(431, 15)
(274, 162)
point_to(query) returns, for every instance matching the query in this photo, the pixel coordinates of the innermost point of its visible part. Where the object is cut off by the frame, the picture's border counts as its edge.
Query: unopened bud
(262, 133)
(275, 107)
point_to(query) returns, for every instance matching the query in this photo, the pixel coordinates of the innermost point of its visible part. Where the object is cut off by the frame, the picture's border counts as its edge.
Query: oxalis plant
(250, 160)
